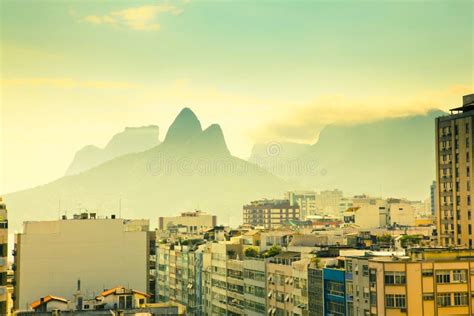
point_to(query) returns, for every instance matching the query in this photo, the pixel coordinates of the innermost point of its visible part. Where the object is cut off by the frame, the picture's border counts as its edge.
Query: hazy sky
(76, 72)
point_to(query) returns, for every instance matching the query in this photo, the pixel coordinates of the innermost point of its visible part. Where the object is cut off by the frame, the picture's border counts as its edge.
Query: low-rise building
(195, 222)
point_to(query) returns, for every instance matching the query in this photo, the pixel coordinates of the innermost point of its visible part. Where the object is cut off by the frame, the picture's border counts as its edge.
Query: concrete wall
(101, 253)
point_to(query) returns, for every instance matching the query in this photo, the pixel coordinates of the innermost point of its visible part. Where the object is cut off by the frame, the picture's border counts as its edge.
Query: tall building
(192, 222)
(223, 279)
(255, 286)
(306, 201)
(3, 257)
(270, 213)
(179, 274)
(287, 288)
(454, 166)
(53, 256)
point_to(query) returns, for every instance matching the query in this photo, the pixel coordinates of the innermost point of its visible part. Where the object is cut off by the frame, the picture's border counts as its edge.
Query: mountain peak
(210, 142)
(185, 126)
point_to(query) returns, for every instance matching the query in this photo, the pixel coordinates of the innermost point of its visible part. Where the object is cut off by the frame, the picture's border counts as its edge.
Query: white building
(306, 201)
(367, 212)
(51, 256)
(192, 222)
(402, 212)
(327, 202)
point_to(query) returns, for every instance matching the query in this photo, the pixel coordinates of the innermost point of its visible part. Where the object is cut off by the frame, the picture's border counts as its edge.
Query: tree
(272, 252)
(251, 252)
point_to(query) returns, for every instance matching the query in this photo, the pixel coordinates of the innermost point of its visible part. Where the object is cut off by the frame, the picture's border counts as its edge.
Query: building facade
(3, 258)
(270, 213)
(179, 275)
(52, 256)
(192, 222)
(433, 199)
(306, 201)
(454, 163)
(430, 287)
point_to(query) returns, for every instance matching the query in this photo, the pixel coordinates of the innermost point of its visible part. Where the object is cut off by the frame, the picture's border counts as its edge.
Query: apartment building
(3, 258)
(270, 213)
(306, 201)
(223, 278)
(179, 274)
(52, 256)
(194, 222)
(287, 285)
(438, 284)
(334, 291)
(315, 290)
(357, 285)
(327, 202)
(255, 286)
(401, 212)
(454, 166)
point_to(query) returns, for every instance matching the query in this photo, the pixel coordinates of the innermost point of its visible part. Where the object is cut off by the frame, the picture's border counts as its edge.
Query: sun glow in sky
(75, 73)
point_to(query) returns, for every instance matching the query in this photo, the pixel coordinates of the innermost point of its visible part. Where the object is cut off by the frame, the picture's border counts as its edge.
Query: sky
(75, 73)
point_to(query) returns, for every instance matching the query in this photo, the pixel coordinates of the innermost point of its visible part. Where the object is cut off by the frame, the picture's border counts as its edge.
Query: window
(427, 272)
(459, 276)
(349, 266)
(372, 276)
(444, 299)
(460, 299)
(336, 308)
(395, 301)
(365, 270)
(335, 288)
(443, 276)
(428, 296)
(373, 298)
(350, 288)
(255, 275)
(255, 290)
(394, 278)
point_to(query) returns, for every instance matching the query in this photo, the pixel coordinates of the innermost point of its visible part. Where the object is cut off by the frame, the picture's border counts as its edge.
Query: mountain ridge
(178, 174)
(130, 140)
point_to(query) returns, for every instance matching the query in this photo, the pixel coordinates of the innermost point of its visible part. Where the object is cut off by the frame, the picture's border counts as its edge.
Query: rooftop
(47, 299)
(467, 105)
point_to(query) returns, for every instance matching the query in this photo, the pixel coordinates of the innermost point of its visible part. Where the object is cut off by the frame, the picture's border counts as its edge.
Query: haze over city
(236, 158)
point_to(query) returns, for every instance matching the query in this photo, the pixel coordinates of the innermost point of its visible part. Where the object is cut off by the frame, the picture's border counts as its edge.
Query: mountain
(192, 168)
(278, 157)
(394, 157)
(131, 140)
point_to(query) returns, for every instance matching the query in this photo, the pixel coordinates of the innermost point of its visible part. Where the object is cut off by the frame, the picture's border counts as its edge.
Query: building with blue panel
(334, 291)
